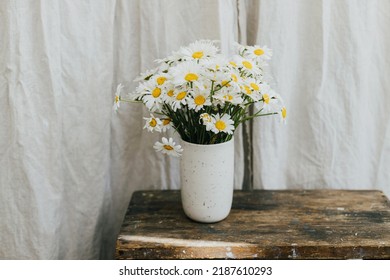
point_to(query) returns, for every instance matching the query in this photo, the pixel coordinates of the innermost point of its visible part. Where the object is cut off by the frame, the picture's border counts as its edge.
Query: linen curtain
(68, 164)
(331, 67)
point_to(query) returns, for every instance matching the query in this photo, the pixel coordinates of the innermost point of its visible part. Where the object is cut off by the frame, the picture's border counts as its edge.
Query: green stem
(256, 115)
(129, 100)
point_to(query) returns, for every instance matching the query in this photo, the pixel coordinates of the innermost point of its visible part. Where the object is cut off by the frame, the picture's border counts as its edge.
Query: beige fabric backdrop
(331, 67)
(68, 165)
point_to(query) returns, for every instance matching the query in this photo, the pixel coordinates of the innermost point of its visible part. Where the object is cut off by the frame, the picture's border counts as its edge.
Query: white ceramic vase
(207, 181)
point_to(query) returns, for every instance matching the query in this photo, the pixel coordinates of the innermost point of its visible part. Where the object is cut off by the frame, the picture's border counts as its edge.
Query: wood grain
(263, 224)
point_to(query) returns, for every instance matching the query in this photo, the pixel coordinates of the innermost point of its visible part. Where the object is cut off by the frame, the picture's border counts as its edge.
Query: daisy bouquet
(204, 95)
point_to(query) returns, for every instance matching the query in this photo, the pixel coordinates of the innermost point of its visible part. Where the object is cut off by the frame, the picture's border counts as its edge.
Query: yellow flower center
(228, 97)
(247, 64)
(166, 121)
(255, 86)
(284, 112)
(258, 52)
(199, 100)
(205, 117)
(234, 77)
(170, 93)
(225, 83)
(266, 98)
(220, 125)
(168, 147)
(233, 63)
(197, 55)
(156, 92)
(248, 90)
(190, 77)
(153, 122)
(181, 95)
(161, 80)
(116, 98)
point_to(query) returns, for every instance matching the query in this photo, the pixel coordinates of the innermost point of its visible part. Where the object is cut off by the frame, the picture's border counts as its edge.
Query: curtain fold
(69, 164)
(330, 66)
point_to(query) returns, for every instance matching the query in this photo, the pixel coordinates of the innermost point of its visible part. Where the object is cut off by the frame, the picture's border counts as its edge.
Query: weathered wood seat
(263, 224)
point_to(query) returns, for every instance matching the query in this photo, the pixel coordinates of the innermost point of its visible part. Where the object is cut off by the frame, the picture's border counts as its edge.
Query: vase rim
(217, 144)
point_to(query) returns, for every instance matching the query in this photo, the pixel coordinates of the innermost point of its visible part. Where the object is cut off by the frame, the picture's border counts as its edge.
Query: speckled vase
(207, 181)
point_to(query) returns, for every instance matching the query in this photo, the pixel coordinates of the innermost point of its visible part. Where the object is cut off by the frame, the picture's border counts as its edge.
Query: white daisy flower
(169, 96)
(203, 84)
(254, 85)
(215, 76)
(198, 50)
(254, 52)
(247, 65)
(257, 52)
(266, 97)
(223, 124)
(150, 94)
(160, 78)
(248, 91)
(236, 81)
(217, 63)
(179, 99)
(268, 102)
(233, 64)
(168, 92)
(166, 124)
(168, 147)
(185, 72)
(219, 76)
(117, 100)
(234, 74)
(228, 96)
(153, 124)
(207, 120)
(199, 100)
